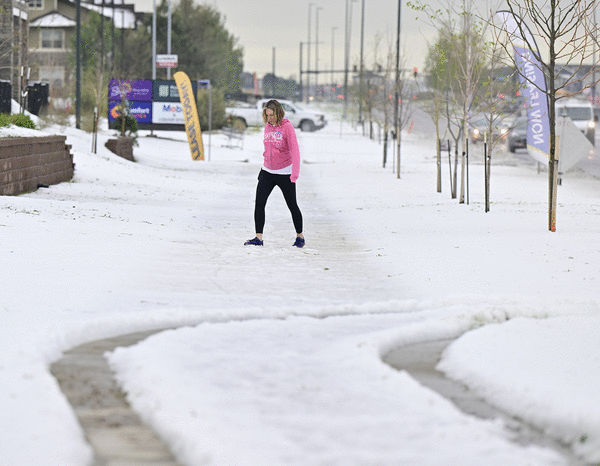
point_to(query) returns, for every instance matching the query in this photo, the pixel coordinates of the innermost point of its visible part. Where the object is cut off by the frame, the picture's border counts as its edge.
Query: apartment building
(52, 29)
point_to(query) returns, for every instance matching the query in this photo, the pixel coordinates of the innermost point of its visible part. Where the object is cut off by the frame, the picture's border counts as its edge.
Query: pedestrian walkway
(120, 438)
(113, 429)
(420, 361)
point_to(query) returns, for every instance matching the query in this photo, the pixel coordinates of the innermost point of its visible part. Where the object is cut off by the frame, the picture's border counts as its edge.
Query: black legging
(266, 183)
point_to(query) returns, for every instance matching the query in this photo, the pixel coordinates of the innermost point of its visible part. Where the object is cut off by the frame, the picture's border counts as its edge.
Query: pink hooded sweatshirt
(281, 148)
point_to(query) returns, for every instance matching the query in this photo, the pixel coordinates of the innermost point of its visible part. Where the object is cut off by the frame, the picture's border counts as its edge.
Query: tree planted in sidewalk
(568, 33)
(455, 64)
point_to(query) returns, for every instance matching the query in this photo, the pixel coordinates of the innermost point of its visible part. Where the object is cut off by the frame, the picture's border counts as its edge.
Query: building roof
(53, 20)
(123, 17)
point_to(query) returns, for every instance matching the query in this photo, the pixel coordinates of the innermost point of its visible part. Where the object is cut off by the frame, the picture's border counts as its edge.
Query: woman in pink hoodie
(281, 168)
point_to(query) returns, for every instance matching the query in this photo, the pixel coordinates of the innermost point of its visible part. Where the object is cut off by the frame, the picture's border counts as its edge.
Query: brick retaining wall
(27, 163)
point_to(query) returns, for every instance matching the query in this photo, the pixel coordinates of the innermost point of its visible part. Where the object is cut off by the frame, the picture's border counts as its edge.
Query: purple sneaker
(299, 242)
(254, 242)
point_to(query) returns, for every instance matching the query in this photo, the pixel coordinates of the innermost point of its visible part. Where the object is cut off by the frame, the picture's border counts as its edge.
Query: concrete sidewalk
(420, 361)
(120, 438)
(114, 430)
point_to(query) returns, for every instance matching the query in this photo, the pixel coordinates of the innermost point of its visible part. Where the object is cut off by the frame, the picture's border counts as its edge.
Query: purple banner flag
(140, 90)
(534, 85)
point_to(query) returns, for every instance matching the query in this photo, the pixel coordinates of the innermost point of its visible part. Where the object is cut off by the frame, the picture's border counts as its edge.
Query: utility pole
(317, 52)
(273, 81)
(595, 62)
(301, 88)
(78, 65)
(397, 93)
(347, 53)
(362, 65)
(153, 39)
(169, 37)
(310, 5)
(332, 54)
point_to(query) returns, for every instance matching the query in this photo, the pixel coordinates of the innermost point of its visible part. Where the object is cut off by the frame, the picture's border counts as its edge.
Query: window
(52, 38)
(36, 4)
(55, 75)
(578, 113)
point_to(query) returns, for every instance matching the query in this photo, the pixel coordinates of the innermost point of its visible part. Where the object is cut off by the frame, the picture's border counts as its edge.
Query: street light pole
(310, 5)
(273, 80)
(78, 66)
(362, 66)
(332, 54)
(301, 88)
(397, 93)
(169, 37)
(153, 39)
(347, 53)
(594, 61)
(317, 51)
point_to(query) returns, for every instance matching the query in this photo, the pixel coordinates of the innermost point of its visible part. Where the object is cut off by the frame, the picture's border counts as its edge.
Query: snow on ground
(561, 405)
(279, 362)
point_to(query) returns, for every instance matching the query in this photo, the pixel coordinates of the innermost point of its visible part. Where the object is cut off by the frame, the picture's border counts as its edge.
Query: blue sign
(141, 111)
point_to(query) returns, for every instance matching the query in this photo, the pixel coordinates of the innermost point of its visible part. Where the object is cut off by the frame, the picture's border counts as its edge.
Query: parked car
(581, 113)
(479, 127)
(516, 137)
(251, 115)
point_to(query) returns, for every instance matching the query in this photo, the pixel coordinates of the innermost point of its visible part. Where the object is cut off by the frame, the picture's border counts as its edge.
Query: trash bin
(37, 97)
(5, 96)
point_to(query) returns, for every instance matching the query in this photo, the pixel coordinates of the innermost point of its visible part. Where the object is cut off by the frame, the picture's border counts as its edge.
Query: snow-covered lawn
(278, 362)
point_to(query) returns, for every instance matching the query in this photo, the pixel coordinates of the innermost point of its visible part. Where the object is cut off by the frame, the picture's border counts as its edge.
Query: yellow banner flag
(190, 113)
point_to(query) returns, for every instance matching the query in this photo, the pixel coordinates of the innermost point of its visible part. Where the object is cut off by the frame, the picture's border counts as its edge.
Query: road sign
(166, 61)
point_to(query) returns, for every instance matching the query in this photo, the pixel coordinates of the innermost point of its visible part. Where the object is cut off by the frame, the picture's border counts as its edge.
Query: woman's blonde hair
(277, 110)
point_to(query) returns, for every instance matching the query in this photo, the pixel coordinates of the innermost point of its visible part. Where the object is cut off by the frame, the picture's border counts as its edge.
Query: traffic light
(415, 72)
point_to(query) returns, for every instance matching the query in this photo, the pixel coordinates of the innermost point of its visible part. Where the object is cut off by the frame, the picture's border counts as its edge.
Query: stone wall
(28, 163)
(122, 146)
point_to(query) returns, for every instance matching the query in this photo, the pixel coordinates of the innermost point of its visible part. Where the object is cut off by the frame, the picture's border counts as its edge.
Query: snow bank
(542, 371)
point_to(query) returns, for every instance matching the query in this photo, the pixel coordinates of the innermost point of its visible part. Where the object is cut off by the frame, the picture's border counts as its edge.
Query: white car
(581, 113)
(251, 115)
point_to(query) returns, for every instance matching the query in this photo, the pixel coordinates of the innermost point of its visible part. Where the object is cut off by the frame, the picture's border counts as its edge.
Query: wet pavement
(113, 429)
(420, 359)
(120, 438)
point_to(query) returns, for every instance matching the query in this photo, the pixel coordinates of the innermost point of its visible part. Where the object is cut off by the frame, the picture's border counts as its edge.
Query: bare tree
(442, 71)
(434, 107)
(460, 31)
(382, 92)
(405, 102)
(371, 95)
(491, 95)
(567, 31)
(471, 65)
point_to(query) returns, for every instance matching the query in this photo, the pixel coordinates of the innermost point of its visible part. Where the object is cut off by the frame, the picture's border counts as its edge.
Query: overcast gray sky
(261, 25)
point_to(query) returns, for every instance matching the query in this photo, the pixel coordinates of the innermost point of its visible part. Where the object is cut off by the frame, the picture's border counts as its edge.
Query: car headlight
(591, 124)
(476, 132)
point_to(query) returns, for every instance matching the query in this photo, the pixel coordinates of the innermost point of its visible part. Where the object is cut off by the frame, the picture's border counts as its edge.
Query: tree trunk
(398, 153)
(552, 157)
(439, 163)
(463, 167)
(385, 144)
(455, 177)
(552, 193)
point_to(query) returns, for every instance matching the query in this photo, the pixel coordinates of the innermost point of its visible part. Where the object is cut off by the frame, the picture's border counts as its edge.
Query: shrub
(17, 119)
(131, 127)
